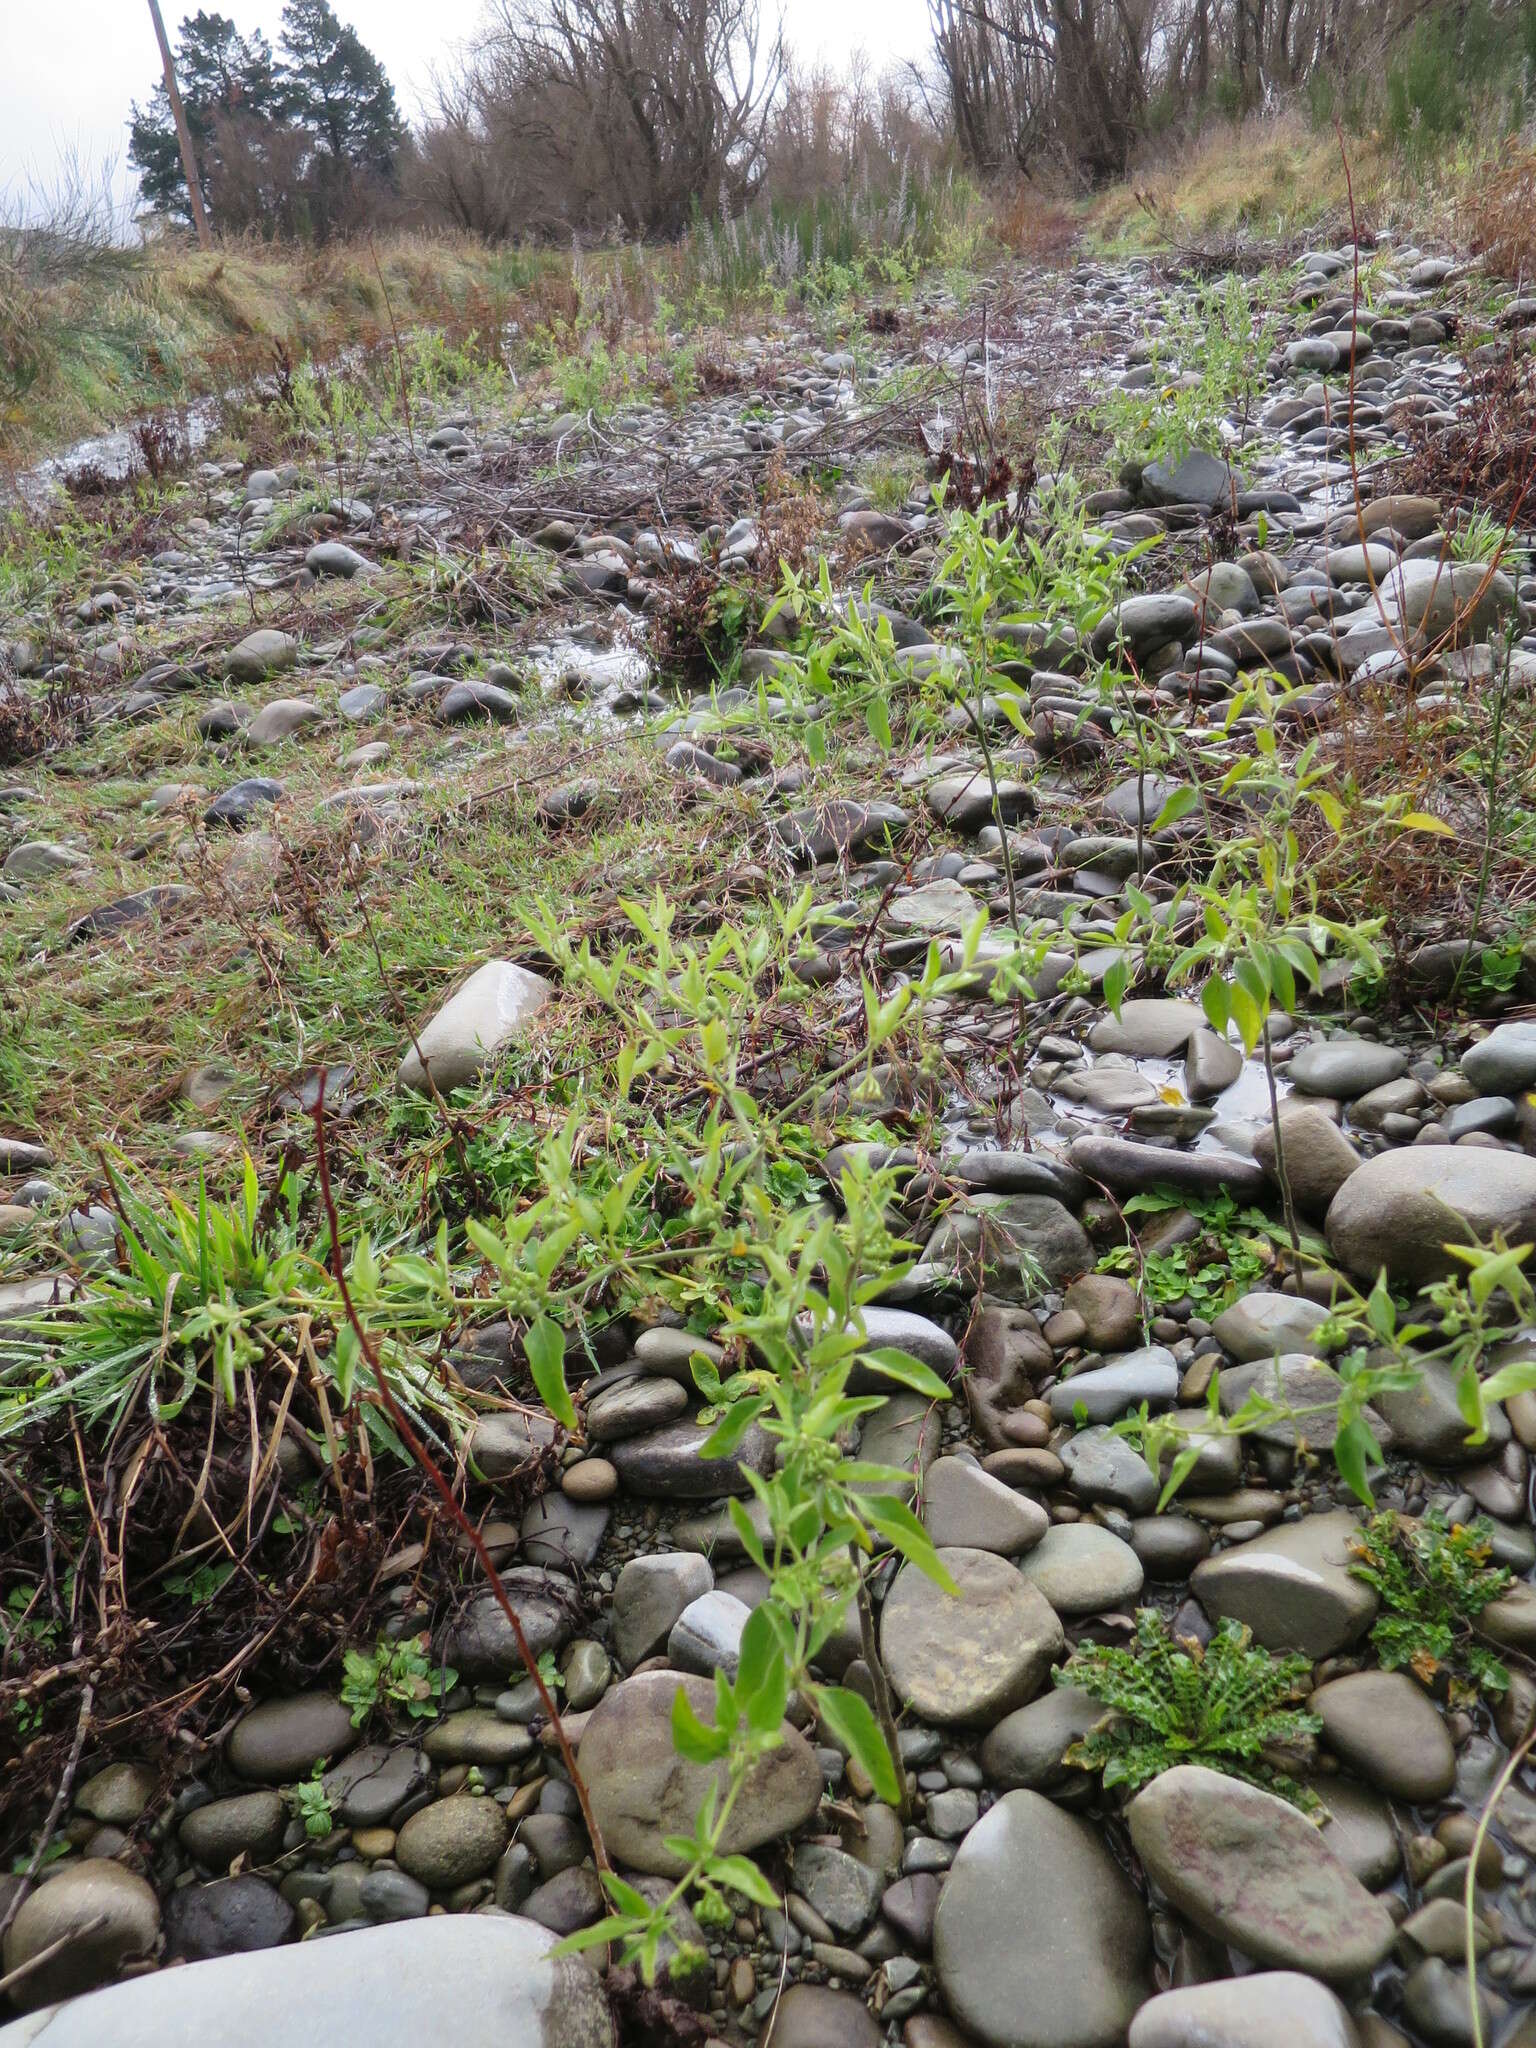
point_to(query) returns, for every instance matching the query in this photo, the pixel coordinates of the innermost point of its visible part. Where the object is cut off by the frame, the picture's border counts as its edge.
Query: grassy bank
(92, 335)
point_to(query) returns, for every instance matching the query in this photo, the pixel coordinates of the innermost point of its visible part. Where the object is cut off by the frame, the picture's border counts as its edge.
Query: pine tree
(282, 145)
(339, 90)
(223, 75)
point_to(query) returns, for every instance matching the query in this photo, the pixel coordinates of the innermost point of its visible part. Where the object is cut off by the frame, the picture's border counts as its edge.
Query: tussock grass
(98, 334)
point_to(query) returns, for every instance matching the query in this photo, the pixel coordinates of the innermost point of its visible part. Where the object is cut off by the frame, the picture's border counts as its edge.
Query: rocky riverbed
(302, 745)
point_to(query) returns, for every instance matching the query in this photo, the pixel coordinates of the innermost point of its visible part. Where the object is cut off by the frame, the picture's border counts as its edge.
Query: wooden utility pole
(183, 133)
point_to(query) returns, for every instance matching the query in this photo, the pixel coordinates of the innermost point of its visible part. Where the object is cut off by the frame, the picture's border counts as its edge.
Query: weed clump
(1434, 1582)
(1172, 1702)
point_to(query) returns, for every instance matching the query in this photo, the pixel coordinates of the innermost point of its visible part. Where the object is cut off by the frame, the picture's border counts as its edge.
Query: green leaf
(1116, 979)
(691, 1738)
(908, 1371)
(1180, 803)
(897, 1523)
(728, 1432)
(878, 720)
(1214, 1001)
(1425, 821)
(851, 1721)
(742, 1875)
(1354, 1451)
(544, 1347)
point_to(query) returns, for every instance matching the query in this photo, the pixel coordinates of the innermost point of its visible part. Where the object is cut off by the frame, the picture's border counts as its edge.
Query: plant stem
(884, 1712)
(1287, 1202)
(1491, 812)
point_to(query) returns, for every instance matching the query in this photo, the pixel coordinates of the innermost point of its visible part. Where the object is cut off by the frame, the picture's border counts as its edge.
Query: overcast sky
(70, 68)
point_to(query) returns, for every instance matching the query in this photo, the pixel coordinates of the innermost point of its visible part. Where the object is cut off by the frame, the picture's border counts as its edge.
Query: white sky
(70, 68)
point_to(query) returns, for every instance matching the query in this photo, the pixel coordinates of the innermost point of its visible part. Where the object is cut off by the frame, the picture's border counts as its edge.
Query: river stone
(812, 2016)
(1389, 1732)
(1345, 1067)
(282, 1740)
(1426, 1419)
(1109, 1391)
(1269, 2009)
(451, 1841)
(1503, 1063)
(1006, 1235)
(1433, 599)
(1399, 1209)
(118, 1794)
(1143, 623)
(1292, 1586)
(481, 1644)
(1040, 1940)
(1264, 1324)
(1148, 1027)
(1110, 1309)
(492, 1007)
(335, 558)
(226, 1918)
(367, 1786)
(642, 1790)
(262, 653)
(1101, 1466)
(1026, 1748)
(280, 720)
(1083, 1569)
(1318, 1156)
(1361, 1830)
(63, 1908)
(249, 1824)
(1298, 1382)
(844, 1891)
(477, 1980)
(1129, 1168)
(476, 1735)
(650, 1594)
(967, 1661)
(667, 1463)
(630, 1407)
(706, 1637)
(561, 1531)
(1199, 479)
(964, 1506)
(1252, 1871)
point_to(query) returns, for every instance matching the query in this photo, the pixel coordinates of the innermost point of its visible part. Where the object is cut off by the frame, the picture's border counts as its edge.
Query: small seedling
(395, 1677)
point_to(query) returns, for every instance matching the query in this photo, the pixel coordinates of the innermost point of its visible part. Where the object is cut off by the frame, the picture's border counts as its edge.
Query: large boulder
(477, 1980)
(1040, 1939)
(1400, 1209)
(1250, 1870)
(642, 1790)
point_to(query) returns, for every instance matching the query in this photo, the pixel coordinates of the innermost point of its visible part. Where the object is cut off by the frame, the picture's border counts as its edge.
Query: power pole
(183, 134)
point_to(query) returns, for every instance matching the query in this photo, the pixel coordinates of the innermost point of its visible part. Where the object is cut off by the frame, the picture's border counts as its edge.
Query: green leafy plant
(1173, 1702)
(1433, 1582)
(1231, 1255)
(395, 1677)
(313, 1805)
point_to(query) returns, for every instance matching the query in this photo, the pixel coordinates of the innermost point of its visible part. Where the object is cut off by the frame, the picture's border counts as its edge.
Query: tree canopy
(283, 143)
